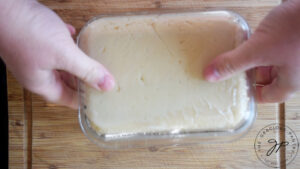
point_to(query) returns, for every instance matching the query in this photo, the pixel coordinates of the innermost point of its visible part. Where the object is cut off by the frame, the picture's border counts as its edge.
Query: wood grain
(16, 123)
(57, 141)
(282, 136)
(292, 120)
(27, 129)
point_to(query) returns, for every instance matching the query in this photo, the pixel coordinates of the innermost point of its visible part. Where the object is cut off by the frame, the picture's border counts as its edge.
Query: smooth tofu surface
(157, 62)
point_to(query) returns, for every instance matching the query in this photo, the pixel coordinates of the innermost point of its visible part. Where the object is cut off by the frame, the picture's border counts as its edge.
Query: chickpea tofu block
(158, 62)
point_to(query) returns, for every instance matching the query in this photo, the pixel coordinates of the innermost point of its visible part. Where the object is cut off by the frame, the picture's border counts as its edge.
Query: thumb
(52, 87)
(74, 61)
(277, 91)
(244, 57)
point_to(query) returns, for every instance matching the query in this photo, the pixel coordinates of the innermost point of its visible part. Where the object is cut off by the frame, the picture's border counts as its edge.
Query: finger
(56, 91)
(71, 29)
(69, 80)
(265, 74)
(244, 57)
(273, 93)
(74, 61)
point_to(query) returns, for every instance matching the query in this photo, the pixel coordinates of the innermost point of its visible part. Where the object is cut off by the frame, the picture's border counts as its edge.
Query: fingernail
(107, 83)
(211, 74)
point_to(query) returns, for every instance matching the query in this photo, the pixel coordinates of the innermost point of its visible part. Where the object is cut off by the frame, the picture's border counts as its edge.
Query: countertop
(44, 135)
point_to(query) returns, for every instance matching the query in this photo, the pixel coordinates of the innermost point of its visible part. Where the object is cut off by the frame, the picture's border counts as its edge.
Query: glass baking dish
(174, 136)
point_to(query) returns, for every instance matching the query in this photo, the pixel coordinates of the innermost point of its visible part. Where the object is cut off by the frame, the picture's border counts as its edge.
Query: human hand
(273, 50)
(38, 49)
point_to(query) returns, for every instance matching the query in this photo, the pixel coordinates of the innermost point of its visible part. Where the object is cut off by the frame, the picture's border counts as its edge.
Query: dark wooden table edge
(4, 116)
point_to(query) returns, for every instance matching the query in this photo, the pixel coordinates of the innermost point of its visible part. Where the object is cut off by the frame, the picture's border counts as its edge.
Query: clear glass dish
(173, 137)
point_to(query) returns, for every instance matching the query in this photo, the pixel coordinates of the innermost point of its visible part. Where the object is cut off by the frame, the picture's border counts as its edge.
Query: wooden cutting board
(43, 135)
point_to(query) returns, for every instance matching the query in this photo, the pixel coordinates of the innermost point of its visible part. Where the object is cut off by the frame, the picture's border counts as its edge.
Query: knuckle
(284, 97)
(90, 74)
(278, 94)
(288, 93)
(63, 57)
(257, 51)
(46, 94)
(226, 66)
(51, 97)
(63, 62)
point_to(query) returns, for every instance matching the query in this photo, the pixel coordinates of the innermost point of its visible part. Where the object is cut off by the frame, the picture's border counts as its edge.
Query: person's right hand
(274, 49)
(38, 49)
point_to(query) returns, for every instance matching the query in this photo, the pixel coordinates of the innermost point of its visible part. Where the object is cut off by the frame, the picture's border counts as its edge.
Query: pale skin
(273, 50)
(35, 43)
(38, 48)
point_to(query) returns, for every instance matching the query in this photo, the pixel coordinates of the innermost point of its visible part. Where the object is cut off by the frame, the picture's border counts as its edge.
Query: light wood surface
(43, 135)
(292, 120)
